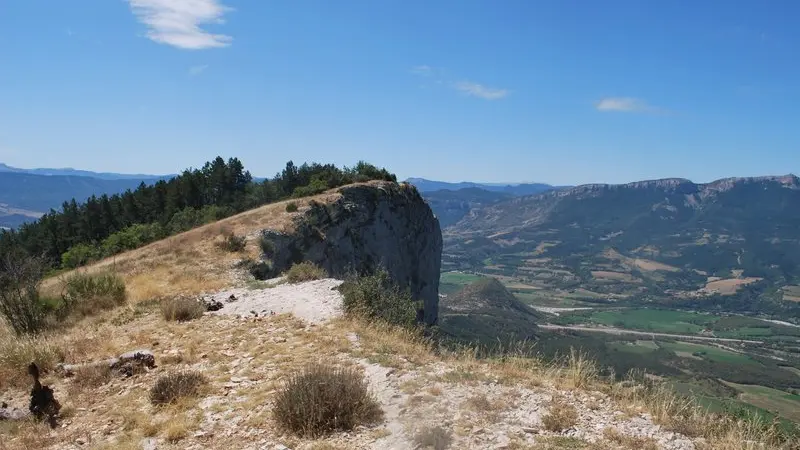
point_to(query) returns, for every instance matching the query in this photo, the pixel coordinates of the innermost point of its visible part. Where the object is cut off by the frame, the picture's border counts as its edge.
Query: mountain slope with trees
(101, 226)
(733, 243)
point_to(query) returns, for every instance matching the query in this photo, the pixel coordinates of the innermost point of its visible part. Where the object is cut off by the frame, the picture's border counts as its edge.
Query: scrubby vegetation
(87, 293)
(174, 386)
(291, 207)
(233, 243)
(182, 309)
(20, 303)
(321, 399)
(376, 296)
(305, 271)
(560, 416)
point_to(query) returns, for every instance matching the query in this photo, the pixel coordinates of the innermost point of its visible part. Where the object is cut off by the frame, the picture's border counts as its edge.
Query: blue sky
(560, 91)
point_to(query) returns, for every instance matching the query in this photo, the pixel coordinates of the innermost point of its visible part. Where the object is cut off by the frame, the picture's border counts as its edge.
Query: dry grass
(305, 271)
(17, 352)
(629, 442)
(482, 404)
(175, 386)
(190, 263)
(87, 294)
(433, 438)
(321, 399)
(728, 286)
(578, 370)
(560, 416)
(90, 377)
(182, 309)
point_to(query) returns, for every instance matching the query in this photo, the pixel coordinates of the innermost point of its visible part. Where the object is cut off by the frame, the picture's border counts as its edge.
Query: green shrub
(188, 218)
(20, 303)
(323, 399)
(233, 243)
(174, 386)
(316, 186)
(261, 270)
(305, 271)
(85, 293)
(79, 255)
(131, 238)
(291, 207)
(182, 309)
(376, 296)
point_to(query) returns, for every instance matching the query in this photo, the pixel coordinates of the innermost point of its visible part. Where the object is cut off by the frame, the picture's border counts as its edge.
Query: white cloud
(624, 104)
(480, 91)
(178, 22)
(423, 70)
(197, 70)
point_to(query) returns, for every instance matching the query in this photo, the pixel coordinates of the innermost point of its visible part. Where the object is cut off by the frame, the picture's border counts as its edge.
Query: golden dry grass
(560, 416)
(729, 286)
(191, 263)
(617, 276)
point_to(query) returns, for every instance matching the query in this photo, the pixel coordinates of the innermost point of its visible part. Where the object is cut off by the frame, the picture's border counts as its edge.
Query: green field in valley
(450, 282)
(708, 352)
(772, 400)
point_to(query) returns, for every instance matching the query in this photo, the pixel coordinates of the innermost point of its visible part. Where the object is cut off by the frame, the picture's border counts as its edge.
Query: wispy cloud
(625, 104)
(179, 22)
(197, 70)
(480, 91)
(466, 87)
(423, 70)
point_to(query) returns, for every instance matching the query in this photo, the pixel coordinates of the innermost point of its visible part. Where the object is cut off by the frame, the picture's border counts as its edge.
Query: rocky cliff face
(378, 224)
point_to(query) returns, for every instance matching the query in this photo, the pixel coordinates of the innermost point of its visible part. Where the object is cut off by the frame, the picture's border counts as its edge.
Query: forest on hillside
(82, 231)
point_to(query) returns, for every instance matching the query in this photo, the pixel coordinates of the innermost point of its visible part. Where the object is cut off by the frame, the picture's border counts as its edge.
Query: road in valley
(618, 331)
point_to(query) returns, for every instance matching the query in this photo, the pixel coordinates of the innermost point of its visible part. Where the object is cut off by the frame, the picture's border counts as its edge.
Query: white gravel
(312, 301)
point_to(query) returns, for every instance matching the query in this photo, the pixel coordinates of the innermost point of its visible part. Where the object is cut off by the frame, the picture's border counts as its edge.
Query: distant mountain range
(732, 243)
(26, 194)
(452, 201)
(516, 189)
(80, 173)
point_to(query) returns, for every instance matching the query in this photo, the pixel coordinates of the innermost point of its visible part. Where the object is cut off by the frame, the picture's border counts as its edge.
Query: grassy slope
(190, 263)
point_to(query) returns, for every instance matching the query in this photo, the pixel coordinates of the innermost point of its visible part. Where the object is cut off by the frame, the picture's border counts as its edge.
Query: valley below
(698, 284)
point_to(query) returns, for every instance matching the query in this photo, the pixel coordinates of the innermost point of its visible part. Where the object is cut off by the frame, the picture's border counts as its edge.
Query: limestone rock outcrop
(370, 225)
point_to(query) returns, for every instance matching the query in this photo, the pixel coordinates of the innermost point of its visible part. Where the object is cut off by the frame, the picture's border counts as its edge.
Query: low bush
(560, 417)
(174, 386)
(377, 297)
(291, 207)
(182, 309)
(79, 255)
(233, 243)
(20, 303)
(322, 399)
(305, 271)
(132, 237)
(87, 293)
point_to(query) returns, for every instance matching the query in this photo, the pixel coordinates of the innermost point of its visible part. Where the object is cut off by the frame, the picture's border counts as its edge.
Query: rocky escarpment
(372, 225)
